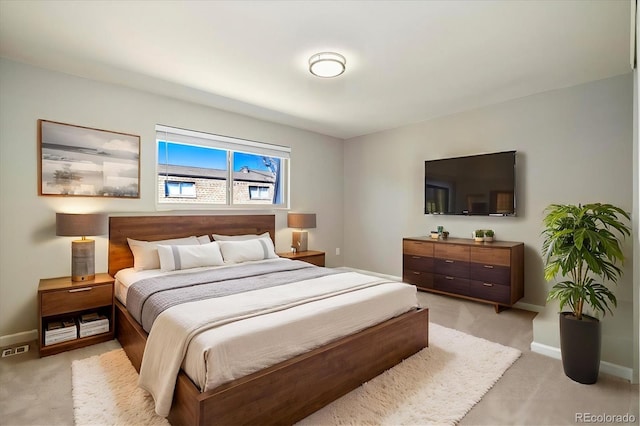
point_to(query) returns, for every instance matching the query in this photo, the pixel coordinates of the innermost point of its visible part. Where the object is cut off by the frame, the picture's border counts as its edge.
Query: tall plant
(579, 243)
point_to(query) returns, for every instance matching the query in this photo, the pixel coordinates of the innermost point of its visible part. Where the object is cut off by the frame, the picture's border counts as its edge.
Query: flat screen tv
(482, 185)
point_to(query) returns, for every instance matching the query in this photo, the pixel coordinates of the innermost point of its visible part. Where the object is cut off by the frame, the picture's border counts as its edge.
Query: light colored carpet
(105, 392)
(437, 386)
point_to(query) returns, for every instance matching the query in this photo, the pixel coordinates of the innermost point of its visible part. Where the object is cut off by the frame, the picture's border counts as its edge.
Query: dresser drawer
(451, 284)
(76, 299)
(489, 291)
(491, 256)
(490, 273)
(452, 252)
(418, 278)
(418, 248)
(454, 268)
(417, 263)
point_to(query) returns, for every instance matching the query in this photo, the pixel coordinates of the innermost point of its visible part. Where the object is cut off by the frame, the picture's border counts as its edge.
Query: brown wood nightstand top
(310, 256)
(64, 283)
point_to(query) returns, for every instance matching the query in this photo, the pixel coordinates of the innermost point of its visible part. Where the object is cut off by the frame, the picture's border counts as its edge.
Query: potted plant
(488, 235)
(479, 235)
(580, 245)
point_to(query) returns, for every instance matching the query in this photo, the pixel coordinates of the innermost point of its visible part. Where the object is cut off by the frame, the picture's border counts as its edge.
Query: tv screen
(473, 185)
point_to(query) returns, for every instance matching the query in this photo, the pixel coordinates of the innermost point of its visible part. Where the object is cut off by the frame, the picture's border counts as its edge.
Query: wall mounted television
(475, 185)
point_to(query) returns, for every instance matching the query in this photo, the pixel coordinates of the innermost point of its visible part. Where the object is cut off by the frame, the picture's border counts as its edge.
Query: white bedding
(263, 335)
(243, 347)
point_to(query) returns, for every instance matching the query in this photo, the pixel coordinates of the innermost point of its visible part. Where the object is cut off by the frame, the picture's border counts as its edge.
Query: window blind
(173, 134)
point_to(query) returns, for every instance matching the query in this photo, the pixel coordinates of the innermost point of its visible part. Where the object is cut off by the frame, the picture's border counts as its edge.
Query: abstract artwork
(86, 162)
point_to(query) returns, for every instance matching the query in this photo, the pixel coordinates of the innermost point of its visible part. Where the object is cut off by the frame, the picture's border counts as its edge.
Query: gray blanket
(148, 298)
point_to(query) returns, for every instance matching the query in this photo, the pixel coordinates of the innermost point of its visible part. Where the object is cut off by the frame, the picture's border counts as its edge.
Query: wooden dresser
(486, 272)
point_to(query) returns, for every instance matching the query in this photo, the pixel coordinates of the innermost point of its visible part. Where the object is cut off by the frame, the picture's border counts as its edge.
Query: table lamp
(301, 221)
(83, 250)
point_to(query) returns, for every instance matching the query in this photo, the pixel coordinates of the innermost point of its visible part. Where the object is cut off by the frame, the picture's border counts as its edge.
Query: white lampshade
(327, 64)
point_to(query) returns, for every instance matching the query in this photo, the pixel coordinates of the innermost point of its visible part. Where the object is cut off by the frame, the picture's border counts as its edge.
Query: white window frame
(180, 184)
(259, 188)
(227, 143)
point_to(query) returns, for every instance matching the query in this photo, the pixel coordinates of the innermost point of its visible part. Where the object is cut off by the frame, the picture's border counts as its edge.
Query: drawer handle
(77, 290)
(487, 284)
(488, 266)
(449, 278)
(415, 257)
(416, 273)
(448, 261)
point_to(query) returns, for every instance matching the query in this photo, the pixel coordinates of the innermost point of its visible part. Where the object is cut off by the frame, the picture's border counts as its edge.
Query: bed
(279, 394)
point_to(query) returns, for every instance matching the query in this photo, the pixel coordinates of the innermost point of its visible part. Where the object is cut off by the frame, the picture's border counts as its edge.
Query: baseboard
(605, 367)
(528, 307)
(23, 337)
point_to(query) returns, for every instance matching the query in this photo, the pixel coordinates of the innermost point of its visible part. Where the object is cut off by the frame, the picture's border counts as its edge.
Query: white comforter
(177, 327)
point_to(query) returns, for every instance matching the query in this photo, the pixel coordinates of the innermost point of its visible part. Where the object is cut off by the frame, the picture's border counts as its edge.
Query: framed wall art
(85, 162)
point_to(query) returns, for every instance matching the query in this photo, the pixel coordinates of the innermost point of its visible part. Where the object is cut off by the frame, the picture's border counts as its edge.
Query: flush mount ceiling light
(327, 64)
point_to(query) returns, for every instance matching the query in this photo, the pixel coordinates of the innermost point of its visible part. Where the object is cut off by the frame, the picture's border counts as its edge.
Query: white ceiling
(407, 61)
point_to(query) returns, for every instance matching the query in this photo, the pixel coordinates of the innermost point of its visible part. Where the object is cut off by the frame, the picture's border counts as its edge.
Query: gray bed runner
(148, 298)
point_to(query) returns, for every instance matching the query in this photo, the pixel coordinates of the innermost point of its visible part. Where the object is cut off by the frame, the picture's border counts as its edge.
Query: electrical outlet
(15, 351)
(338, 251)
(21, 349)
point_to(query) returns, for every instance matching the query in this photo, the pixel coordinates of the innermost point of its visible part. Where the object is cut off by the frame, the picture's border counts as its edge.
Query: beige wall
(574, 145)
(29, 249)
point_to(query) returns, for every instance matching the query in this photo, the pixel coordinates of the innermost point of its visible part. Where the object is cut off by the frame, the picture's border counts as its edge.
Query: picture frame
(86, 162)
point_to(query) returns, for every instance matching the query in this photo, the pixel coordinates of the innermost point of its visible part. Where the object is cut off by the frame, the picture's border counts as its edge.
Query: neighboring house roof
(201, 172)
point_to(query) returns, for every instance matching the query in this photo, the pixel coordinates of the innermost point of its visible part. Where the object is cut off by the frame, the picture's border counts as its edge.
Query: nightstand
(310, 256)
(60, 298)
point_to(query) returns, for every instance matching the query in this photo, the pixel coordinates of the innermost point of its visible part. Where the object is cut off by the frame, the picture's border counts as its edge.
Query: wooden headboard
(152, 228)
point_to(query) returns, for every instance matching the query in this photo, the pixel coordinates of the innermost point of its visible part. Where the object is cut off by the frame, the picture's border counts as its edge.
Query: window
(173, 188)
(202, 169)
(259, 193)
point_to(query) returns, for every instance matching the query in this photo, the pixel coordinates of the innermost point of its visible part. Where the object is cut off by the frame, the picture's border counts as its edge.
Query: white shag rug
(436, 386)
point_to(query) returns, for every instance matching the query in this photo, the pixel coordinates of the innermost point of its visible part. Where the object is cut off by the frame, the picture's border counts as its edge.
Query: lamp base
(299, 240)
(83, 260)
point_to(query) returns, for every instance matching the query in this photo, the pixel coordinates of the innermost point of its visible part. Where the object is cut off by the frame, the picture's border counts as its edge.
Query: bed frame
(286, 392)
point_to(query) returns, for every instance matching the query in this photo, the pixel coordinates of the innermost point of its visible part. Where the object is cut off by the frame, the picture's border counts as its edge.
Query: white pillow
(174, 257)
(145, 253)
(204, 239)
(245, 237)
(243, 251)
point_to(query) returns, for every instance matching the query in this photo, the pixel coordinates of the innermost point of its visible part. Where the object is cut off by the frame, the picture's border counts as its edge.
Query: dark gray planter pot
(580, 347)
